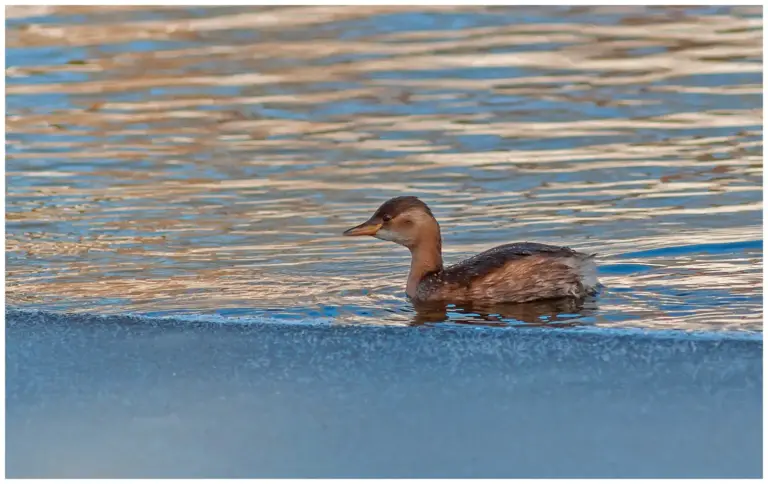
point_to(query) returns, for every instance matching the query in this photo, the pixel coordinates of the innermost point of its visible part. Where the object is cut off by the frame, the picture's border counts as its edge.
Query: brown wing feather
(483, 263)
(512, 272)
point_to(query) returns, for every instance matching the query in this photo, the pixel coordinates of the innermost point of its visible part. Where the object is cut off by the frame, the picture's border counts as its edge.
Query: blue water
(203, 161)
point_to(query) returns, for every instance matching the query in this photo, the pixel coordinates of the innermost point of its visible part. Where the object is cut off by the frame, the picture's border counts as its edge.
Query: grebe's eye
(386, 218)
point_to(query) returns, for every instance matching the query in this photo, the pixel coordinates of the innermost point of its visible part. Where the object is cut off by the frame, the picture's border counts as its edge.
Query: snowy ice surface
(92, 396)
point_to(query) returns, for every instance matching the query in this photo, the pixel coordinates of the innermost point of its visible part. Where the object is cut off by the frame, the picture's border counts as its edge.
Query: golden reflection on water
(170, 160)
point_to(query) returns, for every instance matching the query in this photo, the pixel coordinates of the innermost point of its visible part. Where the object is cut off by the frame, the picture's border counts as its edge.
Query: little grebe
(508, 273)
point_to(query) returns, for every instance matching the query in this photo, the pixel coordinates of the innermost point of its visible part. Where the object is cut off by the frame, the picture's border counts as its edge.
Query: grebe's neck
(426, 258)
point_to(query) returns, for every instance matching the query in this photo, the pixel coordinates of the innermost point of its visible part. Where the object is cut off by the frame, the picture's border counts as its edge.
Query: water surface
(202, 162)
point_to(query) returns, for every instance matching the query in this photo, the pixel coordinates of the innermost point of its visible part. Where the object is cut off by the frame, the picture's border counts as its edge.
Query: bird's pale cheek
(386, 234)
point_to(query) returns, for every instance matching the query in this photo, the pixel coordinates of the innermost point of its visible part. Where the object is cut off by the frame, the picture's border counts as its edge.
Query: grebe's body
(518, 272)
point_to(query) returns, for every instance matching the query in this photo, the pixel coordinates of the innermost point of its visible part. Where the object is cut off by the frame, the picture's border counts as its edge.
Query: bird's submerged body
(514, 273)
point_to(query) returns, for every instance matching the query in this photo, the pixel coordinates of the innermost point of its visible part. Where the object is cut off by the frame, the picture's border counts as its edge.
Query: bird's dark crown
(395, 206)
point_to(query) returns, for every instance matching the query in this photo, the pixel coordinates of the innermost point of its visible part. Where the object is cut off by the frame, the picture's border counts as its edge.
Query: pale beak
(366, 228)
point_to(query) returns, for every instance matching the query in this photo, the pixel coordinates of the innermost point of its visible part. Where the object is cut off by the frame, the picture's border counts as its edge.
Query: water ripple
(202, 162)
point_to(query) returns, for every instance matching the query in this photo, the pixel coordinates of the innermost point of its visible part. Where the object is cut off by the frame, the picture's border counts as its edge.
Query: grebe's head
(404, 220)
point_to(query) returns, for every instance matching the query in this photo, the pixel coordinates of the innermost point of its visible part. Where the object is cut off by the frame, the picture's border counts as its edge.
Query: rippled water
(203, 162)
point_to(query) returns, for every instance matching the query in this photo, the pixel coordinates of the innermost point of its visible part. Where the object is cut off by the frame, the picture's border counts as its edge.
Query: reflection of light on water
(214, 168)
